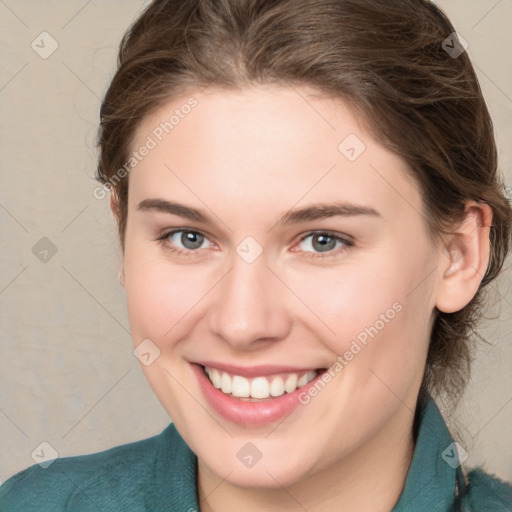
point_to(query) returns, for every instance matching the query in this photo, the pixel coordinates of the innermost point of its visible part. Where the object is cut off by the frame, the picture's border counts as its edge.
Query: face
(272, 243)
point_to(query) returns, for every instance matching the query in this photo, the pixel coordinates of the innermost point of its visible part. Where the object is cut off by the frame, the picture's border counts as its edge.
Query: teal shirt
(159, 474)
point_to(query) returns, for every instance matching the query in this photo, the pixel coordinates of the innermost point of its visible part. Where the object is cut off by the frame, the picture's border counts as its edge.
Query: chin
(270, 468)
(261, 476)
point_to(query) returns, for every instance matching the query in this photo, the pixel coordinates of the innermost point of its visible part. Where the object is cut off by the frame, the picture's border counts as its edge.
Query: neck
(370, 478)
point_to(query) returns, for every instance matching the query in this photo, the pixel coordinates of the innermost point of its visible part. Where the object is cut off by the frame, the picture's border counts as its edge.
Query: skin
(246, 158)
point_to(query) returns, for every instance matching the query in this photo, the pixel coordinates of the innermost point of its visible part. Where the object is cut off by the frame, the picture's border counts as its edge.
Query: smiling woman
(285, 321)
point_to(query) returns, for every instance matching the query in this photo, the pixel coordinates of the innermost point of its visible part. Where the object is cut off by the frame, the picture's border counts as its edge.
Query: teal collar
(434, 474)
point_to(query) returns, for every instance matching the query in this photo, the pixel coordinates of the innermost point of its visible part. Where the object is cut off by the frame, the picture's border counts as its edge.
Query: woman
(270, 163)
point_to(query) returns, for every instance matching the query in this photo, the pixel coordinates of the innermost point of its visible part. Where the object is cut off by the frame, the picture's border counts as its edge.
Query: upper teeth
(258, 387)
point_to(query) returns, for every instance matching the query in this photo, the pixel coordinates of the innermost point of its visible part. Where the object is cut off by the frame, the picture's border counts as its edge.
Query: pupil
(326, 243)
(191, 240)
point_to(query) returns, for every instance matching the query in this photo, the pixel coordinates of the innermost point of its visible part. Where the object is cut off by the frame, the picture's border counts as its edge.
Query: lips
(250, 410)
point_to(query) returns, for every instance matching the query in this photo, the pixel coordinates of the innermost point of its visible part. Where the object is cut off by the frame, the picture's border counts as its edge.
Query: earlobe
(114, 206)
(464, 259)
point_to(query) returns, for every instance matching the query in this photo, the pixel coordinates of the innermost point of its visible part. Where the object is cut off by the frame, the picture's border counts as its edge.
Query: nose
(250, 306)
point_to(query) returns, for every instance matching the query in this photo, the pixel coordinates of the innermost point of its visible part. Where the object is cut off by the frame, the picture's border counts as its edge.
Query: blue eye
(184, 240)
(189, 239)
(324, 242)
(318, 244)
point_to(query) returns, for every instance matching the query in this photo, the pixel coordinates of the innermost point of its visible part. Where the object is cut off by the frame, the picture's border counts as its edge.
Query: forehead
(284, 143)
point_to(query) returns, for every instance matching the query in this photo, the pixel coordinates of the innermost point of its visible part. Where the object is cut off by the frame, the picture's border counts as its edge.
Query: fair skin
(246, 158)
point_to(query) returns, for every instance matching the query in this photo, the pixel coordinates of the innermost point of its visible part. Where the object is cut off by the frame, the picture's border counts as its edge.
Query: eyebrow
(308, 213)
(161, 205)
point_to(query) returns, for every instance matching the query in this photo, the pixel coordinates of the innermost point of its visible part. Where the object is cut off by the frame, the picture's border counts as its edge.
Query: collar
(435, 473)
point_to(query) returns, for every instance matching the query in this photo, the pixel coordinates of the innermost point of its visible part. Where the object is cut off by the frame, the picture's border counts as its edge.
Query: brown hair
(386, 57)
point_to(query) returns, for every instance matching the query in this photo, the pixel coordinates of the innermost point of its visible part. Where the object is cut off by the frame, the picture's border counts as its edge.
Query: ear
(114, 206)
(464, 259)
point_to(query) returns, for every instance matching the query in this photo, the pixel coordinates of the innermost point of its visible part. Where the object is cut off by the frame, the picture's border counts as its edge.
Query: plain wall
(67, 372)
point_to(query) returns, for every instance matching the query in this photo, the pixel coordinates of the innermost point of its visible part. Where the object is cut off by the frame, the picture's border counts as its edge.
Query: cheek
(370, 311)
(348, 298)
(163, 302)
(161, 296)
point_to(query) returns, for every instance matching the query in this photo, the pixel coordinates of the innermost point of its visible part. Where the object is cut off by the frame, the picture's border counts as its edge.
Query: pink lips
(249, 413)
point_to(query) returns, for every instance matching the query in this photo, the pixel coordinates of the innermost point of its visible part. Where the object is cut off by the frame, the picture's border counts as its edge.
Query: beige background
(67, 373)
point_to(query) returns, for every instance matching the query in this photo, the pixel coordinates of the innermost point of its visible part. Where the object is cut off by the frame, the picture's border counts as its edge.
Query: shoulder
(84, 478)
(487, 493)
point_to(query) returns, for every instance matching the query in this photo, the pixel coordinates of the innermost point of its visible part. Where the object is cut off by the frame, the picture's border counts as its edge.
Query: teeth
(225, 383)
(291, 383)
(214, 377)
(259, 387)
(241, 387)
(302, 381)
(277, 387)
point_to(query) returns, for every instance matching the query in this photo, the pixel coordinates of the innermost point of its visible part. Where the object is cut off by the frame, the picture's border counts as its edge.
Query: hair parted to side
(384, 57)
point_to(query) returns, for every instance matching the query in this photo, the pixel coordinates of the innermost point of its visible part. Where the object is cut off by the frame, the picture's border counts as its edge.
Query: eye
(184, 240)
(324, 242)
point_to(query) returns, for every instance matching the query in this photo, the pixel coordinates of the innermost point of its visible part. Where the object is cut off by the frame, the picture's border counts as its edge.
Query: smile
(254, 396)
(260, 387)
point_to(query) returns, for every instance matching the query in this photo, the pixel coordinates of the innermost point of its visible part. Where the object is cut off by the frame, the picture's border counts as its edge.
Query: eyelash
(347, 243)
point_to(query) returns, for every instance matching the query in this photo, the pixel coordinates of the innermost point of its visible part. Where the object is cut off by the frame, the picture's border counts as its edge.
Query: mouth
(256, 396)
(259, 387)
